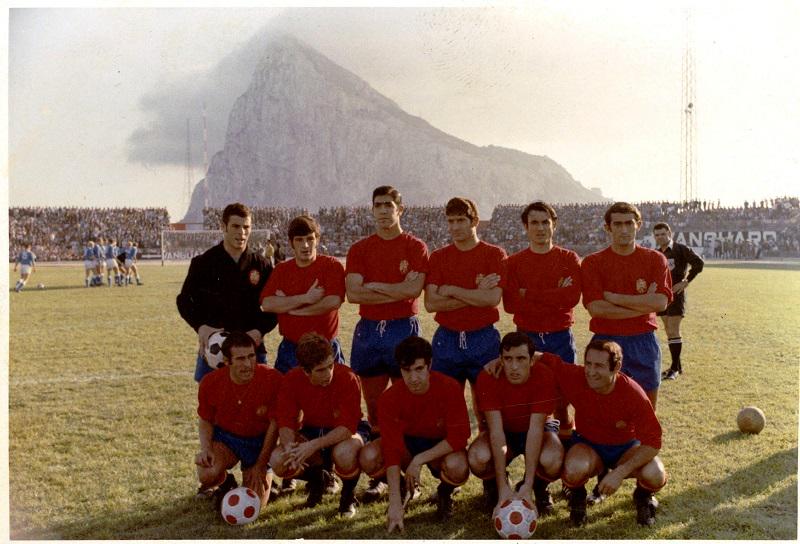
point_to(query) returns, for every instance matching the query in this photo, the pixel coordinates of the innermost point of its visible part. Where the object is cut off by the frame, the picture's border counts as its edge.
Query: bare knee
(479, 456)
(455, 468)
(578, 466)
(652, 475)
(552, 457)
(346, 458)
(278, 462)
(370, 458)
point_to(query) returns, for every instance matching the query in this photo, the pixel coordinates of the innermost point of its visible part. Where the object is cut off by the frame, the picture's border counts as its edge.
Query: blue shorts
(363, 430)
(201, 368)
(286, 359)
(461, 355)
(516, 441)
(641, 357)
(561, 343)
(609, 454)
(246, 448)
(372, 353)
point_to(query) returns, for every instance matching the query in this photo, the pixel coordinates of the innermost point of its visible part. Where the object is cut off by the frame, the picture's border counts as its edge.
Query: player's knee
(576, 470)
(550, 461)
(209, 476)
(479, 457)
(455, 468)
(346, 458)
(370, 458)
(277, 461)
(652, 475)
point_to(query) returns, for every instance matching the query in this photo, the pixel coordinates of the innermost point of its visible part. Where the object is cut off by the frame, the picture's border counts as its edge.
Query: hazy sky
(98, 99)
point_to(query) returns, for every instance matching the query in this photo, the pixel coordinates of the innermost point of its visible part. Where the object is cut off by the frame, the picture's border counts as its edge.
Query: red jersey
(241, 409)
(516, 402)
(440, 412)
(388, 261)
(338, 404)
(615, 418)
(451, 266)
(546, 305)
(628, 275)
(296, 280)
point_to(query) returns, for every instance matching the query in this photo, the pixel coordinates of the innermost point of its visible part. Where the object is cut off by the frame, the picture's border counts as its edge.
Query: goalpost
(182, 245)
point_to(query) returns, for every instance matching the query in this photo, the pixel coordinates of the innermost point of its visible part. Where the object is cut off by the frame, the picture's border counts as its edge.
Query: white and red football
(515, 519)
(240, 506)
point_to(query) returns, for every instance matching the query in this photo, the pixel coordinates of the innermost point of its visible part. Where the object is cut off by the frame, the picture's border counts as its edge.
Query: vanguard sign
(700, 238)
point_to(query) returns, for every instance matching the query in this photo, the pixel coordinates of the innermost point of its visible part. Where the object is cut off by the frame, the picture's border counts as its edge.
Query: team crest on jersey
(403, 266)
(479, 279)
(261, 411)
(254, 276)
(671, 263)
(620, 424)
(336, 413)
(641, 286)
(440, 423)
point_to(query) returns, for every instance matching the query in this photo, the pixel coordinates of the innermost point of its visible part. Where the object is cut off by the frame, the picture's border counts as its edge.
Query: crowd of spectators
(61, 233)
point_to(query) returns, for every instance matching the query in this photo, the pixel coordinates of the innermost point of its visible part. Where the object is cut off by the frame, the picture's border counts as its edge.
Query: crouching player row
(616, 428)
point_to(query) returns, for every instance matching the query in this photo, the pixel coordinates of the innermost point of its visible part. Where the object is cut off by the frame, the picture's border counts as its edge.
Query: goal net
(182, 245)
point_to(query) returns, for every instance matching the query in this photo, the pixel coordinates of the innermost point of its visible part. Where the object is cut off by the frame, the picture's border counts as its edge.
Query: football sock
(675, 345)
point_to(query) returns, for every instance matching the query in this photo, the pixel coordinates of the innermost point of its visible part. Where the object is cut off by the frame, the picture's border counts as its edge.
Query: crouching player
(517, 405)
(616, 429)
(424, 421)
(320, 425)
(237, 409)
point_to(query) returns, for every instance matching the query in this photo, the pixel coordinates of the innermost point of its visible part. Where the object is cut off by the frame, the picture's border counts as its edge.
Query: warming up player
(27, 265)
(425, 422)
(385, 273)
(679, 259)
(542, 286)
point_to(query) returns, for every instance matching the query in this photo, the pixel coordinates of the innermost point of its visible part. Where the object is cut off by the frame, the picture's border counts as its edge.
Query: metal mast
(688, 188)
(205, 158)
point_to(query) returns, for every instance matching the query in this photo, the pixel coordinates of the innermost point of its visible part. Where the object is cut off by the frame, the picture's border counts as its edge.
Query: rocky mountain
(309, 133)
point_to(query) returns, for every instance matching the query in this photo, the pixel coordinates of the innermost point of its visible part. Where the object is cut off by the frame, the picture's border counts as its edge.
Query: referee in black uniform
(222, 288)
(680, 258)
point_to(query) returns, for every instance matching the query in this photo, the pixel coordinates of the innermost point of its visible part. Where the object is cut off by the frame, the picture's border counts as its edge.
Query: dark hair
(236, 339)
(622, 207)
(303, 225)
(538, 206)
(613, 349)
(237, 208)
(516, 338)
(312, 349)
(462, 206)
(659, 226)
(397, 198)
(412, 348)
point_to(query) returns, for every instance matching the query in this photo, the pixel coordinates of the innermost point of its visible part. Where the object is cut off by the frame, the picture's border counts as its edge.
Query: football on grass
(515, 519)
(751, 420)
(240, 506)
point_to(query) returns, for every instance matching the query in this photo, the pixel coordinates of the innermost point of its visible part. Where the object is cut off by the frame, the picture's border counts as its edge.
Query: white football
(40, 286)
(515, 519)
(240, 506)
(214, 358)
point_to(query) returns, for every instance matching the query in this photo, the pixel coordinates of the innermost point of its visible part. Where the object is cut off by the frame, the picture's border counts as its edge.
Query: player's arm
(435, 302)
(205, 457)
(651, 301)
(303, 450)
(255, 478)
(607, 310)
(497, 443)
(480, 297)
(279, 304)
(643, 455)
(358, 294)
(410, 287)
(695, 263)
(441, 449)
(533, 448)
(323, 306)
(394, 515)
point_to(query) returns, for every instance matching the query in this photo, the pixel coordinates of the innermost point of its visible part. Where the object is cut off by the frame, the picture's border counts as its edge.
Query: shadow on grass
(730, 436)
(35, 289)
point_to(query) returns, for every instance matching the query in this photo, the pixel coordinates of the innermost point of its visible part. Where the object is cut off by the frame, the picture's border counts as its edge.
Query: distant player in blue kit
(100, 266)
(27, 263)
(112, 264)
(89, 264)
(131, 253)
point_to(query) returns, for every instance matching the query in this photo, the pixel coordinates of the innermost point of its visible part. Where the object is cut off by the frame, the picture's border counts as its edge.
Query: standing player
(320, 425)
(89, 263)
(617, 434)
(111, 261)
(517, 406)
(385, 273)
(27, 263)
(679, 258)
(131, 254)
(305, 293)
(237, 409)
(463, 289)
(542, 286)
(624, 286)
(221, 290)
(425, 422)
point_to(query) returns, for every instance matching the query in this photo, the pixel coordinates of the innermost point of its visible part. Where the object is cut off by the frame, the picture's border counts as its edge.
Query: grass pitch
(103, 428)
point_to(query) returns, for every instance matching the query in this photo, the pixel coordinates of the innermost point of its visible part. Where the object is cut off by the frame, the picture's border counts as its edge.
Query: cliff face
(309, 133)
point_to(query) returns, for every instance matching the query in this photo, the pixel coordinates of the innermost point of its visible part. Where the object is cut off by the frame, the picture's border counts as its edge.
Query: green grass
(102, 422)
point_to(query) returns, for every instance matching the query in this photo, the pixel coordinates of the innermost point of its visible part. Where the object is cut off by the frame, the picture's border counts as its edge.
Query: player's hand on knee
(610, 483)
(204, 458)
